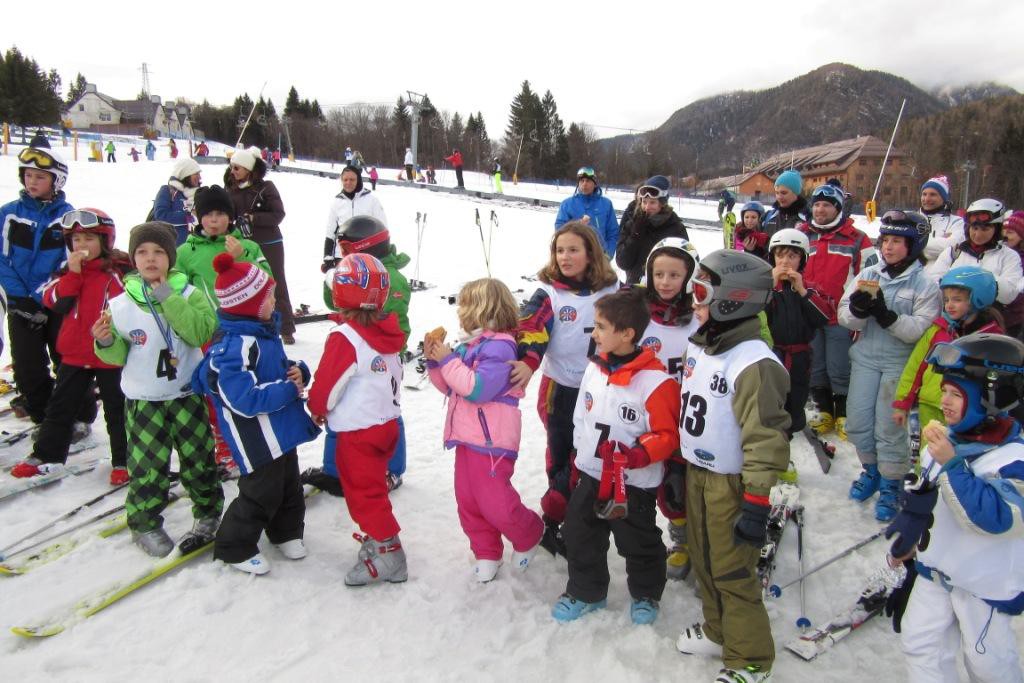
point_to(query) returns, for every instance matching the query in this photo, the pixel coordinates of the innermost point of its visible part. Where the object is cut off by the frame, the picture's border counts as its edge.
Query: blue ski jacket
(601, 212)
(170, 206)
(261, 413)
(33, 244)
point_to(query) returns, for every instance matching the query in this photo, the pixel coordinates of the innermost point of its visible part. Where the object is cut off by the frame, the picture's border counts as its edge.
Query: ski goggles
(84, 218)
(703, 292)
(896, 217)
(354, 247)
(651, 192)
(952, 357)
(31, 155)
(586, 172)
(828, 193)
(980, 219)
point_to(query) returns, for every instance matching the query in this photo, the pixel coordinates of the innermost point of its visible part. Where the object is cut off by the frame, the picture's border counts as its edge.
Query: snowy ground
(300, 622)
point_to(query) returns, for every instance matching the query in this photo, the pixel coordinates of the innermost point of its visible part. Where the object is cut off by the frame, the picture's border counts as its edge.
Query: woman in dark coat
(258, 202)
(647, 220)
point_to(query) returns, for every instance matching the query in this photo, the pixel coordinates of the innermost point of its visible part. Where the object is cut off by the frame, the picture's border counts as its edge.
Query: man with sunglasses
(647, 221)
(32, 250)
(588, 205)
(983, 247)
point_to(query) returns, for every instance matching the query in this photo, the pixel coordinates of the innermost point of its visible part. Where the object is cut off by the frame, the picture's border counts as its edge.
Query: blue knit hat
(791, 180)
(940, 184)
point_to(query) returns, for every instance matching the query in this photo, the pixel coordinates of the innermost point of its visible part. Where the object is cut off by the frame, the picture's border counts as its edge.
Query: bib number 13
(691, 416)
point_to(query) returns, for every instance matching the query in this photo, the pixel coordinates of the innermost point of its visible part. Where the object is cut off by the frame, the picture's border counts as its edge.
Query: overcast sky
(614, 65)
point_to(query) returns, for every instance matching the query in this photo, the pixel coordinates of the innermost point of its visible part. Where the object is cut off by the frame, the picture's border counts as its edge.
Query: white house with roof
(101, 113)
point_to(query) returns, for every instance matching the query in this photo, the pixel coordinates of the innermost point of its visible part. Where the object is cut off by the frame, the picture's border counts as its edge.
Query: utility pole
(145, 80)
(967, 167)
(414, 104)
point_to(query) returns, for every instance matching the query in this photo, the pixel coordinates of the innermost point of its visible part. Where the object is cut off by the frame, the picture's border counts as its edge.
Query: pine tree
(28, 96)
(556, 146)
(526, 128)
(76, 90)
(401, 127)
(291, 105)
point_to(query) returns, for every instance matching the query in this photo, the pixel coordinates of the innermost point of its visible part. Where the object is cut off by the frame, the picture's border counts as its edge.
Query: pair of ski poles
(490, 238)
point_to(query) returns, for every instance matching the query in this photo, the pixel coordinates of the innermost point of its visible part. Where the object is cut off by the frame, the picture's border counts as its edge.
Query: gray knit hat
(157, 232)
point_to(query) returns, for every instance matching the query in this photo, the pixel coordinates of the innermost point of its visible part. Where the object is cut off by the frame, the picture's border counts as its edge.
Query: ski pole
(802, 622)
(67, 515)
(483, 245)
(419, 244)
(775, 590)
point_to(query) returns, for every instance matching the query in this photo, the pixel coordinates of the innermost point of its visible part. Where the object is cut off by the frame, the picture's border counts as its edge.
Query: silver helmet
(734, 284)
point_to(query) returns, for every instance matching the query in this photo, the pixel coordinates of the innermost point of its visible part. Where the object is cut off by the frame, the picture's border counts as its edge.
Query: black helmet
(994, 363)
(364, 234)
(911, 225)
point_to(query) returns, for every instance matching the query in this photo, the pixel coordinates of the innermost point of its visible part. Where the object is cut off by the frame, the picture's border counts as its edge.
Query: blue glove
(914, 519)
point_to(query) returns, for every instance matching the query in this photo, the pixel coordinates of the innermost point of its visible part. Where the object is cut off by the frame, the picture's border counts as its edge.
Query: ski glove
(29, 310)
(914, 519)
(674, 487)
(860, 304)
(752, 525)
(636, 457)
(329, 262)
(896, 603)
(881, 312)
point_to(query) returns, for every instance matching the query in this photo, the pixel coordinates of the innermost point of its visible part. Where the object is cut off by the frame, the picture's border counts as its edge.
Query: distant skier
(134, 154)
(410, 165)
(726, 202)
(589, 207)
(110, 150)
(150, 150)
(496, 172)
(456, 161)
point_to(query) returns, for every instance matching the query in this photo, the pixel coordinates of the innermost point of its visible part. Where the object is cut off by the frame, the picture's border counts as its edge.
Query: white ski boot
(693, 641)
(750, 674)
(294, 549)
(486, 570)
(257, 564)
(379, 561)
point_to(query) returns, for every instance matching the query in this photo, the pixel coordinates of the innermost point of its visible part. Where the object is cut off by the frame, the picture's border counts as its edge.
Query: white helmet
(789, 237)
(43, 160)
(677, 246)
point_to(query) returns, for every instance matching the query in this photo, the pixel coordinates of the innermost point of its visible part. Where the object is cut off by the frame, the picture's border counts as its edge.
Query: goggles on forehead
(586, 172)
(651, 192)
(356, 246)
(895, 217)
(83, 218)
(703, 292)
(31, 155)
(980, 219)
(952, 357)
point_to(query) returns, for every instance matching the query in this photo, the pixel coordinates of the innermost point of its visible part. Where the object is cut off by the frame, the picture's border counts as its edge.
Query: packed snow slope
(208, 621)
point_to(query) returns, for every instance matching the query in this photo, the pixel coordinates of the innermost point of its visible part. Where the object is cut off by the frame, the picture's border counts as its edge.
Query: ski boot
(822, 419)
(155, 543)
(378, 561)
(203, 532)
(317, 478)
(552, 540)
(748, 674)
(693, 641)
(888, 503)
(394, 481)
(257, 565)
(678, 565)
(522, 559)
(486, 570)
(867, 484)
(643, 611)
(790, 476)
(568, 608)
(840, 424)
(34, 467)
(294, 549)
(822, 423)
(119, 476)
(79, 431)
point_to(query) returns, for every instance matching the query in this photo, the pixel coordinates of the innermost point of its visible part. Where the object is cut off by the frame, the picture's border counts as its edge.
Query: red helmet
(360, 282)
(92, 221)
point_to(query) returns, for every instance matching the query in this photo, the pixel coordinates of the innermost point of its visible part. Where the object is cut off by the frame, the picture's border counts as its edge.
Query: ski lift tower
(145, 79)
(414, 102)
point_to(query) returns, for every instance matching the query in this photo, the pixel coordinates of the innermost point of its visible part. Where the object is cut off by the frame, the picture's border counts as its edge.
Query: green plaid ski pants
(154, 428)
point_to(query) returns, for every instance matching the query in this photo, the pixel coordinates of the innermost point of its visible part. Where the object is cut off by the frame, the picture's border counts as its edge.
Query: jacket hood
(717, 337)
(396, 259)
(251, 327)
(623, 375)
(41, 204)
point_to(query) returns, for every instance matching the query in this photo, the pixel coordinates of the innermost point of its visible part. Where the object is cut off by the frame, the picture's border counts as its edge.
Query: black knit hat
(213, 198)
(156, 232)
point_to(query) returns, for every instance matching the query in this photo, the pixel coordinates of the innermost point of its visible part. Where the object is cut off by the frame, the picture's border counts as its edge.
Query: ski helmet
(364, 234)
(978, 281)
(789, 237)
(680, 248)
(756, 207)
(829, 193)
(986, 212)
(987, 368)
(912, 226)
(92, 221)
(361, 282)
(43, 160)
(734, 284)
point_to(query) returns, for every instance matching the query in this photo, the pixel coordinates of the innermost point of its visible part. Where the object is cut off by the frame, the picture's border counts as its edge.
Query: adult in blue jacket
(173, 203)
(589, 206)
(31, 250)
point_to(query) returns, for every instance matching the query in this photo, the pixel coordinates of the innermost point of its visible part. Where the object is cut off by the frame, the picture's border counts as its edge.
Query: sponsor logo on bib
(691, 363)
(137, 337)
(652, 343)
(588, 401)
(567, 314)
(378, 365)
(703, 455)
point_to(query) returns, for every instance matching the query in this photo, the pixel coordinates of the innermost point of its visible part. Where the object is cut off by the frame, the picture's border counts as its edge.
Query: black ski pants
(269, 499)
(33, 347)
(73, 387)
(637, 538)
(799, 366)
(560, 431)
(458, 177)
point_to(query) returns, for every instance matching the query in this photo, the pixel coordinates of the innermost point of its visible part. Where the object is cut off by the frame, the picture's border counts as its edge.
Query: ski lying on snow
(824, 450)
(20, 486)
(870, 603)
(8, 460)
(105, 597)
(783, 498)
